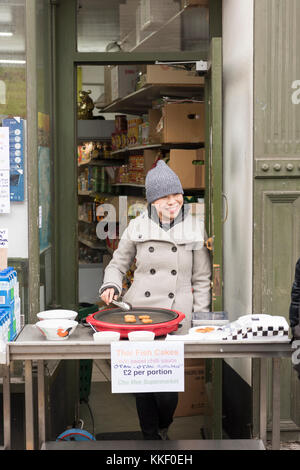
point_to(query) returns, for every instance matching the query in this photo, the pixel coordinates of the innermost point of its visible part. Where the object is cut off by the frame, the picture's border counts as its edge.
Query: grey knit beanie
(161, 181)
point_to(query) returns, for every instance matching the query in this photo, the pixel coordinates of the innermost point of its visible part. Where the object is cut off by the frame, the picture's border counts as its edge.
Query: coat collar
(190, 230)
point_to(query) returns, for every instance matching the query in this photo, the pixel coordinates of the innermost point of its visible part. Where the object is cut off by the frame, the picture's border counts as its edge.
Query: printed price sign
(4, 192)
(138, 367)
(3, 248)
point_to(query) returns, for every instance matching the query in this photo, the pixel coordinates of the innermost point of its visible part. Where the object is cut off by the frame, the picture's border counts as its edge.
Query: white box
(123, 80)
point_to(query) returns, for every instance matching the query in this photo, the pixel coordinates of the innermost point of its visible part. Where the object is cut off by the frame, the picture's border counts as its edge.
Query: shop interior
(128, 117)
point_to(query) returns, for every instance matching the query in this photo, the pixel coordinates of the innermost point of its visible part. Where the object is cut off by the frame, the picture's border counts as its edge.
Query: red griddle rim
(129, 326)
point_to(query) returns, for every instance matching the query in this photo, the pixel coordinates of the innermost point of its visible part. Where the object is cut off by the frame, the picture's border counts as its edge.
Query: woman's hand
(108, 295)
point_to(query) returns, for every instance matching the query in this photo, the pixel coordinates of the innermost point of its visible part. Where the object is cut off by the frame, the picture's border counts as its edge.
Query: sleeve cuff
(109, 286)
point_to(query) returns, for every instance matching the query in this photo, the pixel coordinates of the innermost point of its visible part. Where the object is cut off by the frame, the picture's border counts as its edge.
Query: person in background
(173, 271)
(294, 312)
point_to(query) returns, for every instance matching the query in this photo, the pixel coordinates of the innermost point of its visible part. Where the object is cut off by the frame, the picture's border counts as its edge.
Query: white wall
(238, 162)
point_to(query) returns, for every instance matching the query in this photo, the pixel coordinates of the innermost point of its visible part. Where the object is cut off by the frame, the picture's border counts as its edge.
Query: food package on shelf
(120, 123)
(133, 131)
(84, 152)
(144, 133)
(122, 175)
(136, 177)
(136, 162)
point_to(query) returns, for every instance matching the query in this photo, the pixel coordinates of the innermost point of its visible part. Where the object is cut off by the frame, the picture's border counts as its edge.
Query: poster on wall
(44, 197)
(16, 128)
(4, 171)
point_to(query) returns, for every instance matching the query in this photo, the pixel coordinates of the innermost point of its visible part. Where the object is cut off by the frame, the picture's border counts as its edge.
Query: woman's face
(168, 207)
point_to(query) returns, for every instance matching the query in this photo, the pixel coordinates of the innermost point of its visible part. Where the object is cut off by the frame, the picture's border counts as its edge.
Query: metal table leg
(6, 407)
(29, 415)
(276, 403)
(41, 403)
(263, 400)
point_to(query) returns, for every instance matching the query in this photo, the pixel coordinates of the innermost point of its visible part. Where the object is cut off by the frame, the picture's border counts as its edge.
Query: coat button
(171, 295)
(152, 271)
(174, 248)
(147, 294)
(173, 272)
(151, 249)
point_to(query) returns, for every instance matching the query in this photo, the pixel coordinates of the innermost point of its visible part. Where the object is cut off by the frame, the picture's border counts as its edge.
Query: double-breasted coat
(173, 267)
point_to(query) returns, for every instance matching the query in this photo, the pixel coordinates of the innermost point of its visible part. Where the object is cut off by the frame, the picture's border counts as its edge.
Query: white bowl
(53, 314)
(56, 329)
(106, 336)
(141, 335)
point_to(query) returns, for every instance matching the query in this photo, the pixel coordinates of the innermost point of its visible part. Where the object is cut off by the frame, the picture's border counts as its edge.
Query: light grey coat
(173, 267)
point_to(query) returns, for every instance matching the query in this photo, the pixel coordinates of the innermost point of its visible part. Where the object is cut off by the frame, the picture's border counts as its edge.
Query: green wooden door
(213, 207)
(276, 181)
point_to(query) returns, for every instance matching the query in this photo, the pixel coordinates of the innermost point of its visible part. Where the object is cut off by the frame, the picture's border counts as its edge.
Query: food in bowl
(56, 329)
(146, 320)
(141, 336)
(144, 317)
(106, 336)
(58, 313)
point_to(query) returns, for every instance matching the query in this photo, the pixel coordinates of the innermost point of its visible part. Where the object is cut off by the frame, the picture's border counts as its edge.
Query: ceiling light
(9, 61)
(6, 34)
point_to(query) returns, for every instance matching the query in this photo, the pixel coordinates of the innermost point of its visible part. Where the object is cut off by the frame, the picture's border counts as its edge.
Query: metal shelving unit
(141, 100)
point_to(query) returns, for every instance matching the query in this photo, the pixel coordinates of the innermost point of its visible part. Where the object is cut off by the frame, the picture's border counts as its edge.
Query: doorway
(67, 145)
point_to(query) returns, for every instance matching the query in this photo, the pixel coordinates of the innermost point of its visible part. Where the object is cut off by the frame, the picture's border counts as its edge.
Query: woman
(172, 271)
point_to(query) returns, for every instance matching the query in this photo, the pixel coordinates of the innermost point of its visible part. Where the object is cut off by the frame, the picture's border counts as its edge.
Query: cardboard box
(149, 158)
(184, 122)
(177, 123)
(107, 84)
(154, 115)
(166, 74)
(190, 175)
(193, 401)
(123, 80)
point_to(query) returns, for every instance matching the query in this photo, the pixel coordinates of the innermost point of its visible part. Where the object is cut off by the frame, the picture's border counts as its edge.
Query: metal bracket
(202, 66)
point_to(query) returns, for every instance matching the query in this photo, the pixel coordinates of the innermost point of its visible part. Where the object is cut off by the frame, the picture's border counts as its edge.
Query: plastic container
(106, 336)
(209, 318)
(141, 335)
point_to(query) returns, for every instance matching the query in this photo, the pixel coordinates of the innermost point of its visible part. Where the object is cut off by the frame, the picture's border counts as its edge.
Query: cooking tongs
(123, 305)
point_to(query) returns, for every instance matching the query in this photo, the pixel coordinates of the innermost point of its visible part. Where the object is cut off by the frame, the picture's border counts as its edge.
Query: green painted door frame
(214, 209)
(67, 60)
(32, 162)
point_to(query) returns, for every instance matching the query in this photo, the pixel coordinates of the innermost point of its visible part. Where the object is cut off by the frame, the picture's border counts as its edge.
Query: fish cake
(144, 317)
(130, 318)
(147, 320)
